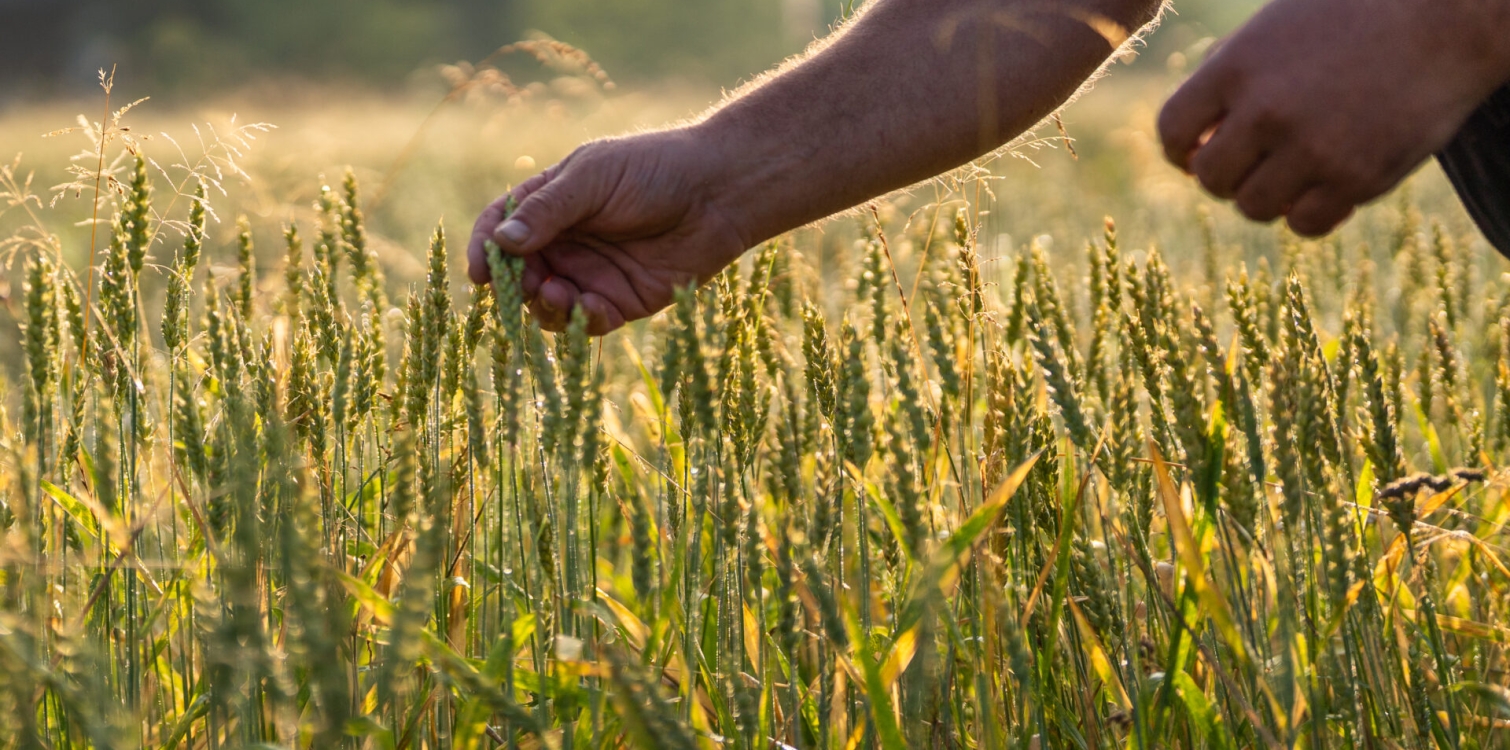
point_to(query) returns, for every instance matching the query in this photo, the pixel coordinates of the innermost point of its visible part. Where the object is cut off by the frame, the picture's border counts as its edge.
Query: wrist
(748, 174)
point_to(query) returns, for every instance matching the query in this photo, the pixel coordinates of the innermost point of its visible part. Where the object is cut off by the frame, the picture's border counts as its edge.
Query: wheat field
(900, 481)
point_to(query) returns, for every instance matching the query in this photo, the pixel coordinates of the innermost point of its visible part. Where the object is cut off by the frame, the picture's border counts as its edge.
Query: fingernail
(513, 230)
(543, 300)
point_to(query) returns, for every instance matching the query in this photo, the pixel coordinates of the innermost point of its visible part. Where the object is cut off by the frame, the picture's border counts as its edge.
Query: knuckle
(1271, 115)
(1211, 181)
(1256, 207)
(1309, 225)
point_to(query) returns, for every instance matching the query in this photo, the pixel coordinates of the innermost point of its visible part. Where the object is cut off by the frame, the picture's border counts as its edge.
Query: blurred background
(268, 100)
(185, 48)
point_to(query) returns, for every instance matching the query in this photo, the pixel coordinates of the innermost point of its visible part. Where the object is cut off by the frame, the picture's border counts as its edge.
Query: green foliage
(978, 516)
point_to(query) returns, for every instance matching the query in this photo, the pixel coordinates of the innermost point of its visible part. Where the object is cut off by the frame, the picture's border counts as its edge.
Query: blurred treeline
(189, 47)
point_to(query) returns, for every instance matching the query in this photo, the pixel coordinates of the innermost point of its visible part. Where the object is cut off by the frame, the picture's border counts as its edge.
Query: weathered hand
(616, 227)
(1318, 106)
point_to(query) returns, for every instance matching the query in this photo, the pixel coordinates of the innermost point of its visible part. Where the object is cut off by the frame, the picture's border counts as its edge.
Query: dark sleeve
(1478, 163)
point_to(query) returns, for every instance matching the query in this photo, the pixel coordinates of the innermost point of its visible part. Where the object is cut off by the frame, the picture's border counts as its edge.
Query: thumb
(545, 213)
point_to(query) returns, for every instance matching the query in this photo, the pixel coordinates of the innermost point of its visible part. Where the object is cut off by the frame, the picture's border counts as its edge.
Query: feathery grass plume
(507, 378)
(1337, 549)
(40, 336)
(1112, 264)
(246, 262)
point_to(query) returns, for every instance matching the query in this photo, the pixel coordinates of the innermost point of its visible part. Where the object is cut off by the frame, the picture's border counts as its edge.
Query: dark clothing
(1478, 163)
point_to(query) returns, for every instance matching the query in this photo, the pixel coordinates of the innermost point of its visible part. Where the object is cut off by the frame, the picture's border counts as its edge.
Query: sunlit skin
(1312, 108)
(910, 89)
(1315, 107)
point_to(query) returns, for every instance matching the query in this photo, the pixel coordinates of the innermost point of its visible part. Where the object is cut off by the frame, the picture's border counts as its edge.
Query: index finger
(487, 221)
(1192, 112)
(482, 231)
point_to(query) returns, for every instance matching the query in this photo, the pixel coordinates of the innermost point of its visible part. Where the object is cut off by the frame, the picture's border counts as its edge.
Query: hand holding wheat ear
(616, 228)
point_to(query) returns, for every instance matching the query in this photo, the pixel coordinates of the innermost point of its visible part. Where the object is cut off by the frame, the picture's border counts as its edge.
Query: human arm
(910, 89)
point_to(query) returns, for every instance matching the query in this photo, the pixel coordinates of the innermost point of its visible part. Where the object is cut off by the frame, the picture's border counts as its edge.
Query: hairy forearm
(911, 89)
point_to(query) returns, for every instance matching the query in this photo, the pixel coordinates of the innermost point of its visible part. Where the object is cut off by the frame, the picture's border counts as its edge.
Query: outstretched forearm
(911, 89)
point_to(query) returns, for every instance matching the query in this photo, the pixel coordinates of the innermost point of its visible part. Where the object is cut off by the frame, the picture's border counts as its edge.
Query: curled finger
(1319, 211)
